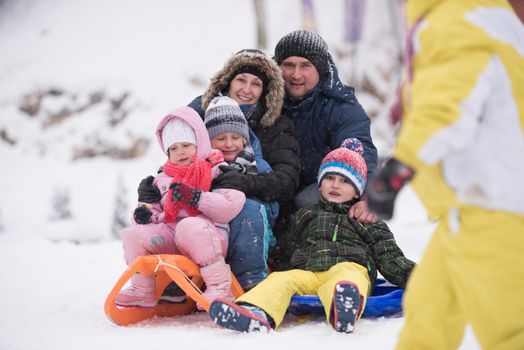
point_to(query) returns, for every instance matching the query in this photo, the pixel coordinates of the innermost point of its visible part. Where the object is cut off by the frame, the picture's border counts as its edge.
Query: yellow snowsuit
(463, 133)
(274, 294)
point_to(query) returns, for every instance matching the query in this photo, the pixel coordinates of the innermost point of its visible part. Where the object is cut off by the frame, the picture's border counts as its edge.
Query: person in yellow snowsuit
(461, 143)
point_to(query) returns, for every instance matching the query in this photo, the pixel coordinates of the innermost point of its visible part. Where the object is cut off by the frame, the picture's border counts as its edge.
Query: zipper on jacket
(335, 231)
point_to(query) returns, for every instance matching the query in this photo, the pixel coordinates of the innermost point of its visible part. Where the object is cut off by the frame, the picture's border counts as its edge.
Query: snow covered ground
(53, 293)
(59, 256)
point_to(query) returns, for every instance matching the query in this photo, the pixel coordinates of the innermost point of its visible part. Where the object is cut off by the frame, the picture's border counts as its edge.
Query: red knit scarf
(197, 175)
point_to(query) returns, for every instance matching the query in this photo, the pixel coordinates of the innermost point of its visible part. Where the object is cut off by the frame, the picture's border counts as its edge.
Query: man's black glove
(383, 189)
(233, 166)
(185, 193)
(147, 192)
(231, 178)
(142, 215)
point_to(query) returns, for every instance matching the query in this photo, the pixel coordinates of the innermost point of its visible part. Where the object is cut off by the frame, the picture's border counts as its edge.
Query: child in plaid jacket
(330, 255)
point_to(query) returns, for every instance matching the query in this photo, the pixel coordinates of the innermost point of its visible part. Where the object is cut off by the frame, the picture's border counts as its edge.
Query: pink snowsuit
(202, 238)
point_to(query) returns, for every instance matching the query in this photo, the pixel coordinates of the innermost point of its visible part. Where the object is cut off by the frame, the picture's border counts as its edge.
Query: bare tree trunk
(354, 12)
(260, 14)
(308, 15)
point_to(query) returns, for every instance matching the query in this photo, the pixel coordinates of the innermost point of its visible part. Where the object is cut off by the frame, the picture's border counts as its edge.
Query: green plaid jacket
(325, 236)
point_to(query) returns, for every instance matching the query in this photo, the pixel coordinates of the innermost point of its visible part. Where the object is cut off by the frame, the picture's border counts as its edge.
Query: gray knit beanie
(304, 43)
(224, 115)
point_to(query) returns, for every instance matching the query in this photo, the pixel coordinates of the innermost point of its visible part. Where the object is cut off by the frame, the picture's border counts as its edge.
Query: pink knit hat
(346, 161)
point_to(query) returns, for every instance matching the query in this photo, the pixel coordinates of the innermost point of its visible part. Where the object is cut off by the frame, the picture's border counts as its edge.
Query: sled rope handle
(162, 262)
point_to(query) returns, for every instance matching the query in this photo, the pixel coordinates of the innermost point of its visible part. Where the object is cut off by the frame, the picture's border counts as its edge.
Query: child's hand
(142, 214)
(147, 192)
(185, 193)
(216, 156)
(231, 178)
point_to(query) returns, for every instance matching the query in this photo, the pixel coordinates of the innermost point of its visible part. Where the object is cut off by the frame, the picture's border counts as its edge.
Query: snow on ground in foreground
(52, 297)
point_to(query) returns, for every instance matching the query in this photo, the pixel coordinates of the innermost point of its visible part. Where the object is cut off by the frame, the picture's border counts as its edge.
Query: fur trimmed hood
(272, 96)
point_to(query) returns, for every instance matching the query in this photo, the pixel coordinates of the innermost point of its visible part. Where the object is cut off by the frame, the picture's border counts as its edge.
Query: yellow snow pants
(471, 273)
(273, 294)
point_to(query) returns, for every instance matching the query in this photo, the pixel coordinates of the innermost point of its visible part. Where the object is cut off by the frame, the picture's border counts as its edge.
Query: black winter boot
(346, 307)
(238, 317)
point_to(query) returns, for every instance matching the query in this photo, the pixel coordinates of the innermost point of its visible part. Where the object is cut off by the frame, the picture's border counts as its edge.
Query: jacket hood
(191, 117)
(273, 94)
(332, 86)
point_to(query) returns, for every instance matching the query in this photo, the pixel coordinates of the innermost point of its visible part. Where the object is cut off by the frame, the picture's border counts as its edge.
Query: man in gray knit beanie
(324, 111)
(304, 59)
(307, 44)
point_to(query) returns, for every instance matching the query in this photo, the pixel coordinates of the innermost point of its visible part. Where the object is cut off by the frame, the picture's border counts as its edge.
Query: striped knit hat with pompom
(346, 161)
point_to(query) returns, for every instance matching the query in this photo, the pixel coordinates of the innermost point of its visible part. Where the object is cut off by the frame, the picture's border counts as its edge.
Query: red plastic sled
(166, 268)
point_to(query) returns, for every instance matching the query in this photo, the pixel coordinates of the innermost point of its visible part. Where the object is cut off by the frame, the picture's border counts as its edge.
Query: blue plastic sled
(386, 300)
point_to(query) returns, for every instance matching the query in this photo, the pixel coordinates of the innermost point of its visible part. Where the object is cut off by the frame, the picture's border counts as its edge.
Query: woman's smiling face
(245, 88)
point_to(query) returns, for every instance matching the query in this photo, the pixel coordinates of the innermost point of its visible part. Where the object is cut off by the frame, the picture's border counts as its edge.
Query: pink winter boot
(217, 277)
(141, 292)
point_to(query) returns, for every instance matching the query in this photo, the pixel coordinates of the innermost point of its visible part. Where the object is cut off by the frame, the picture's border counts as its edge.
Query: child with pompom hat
(330, 255)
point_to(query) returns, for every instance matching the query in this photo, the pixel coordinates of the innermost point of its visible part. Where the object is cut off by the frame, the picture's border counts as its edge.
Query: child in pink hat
(190, 219)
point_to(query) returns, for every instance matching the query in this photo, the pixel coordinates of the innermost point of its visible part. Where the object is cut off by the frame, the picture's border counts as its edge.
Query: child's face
(245, 88)
(182, 153)
(337, 189)
(230, 143)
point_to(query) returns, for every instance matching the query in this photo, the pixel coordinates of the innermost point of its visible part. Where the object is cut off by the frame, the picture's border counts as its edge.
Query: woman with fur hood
(255, 82)
(275, 132)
